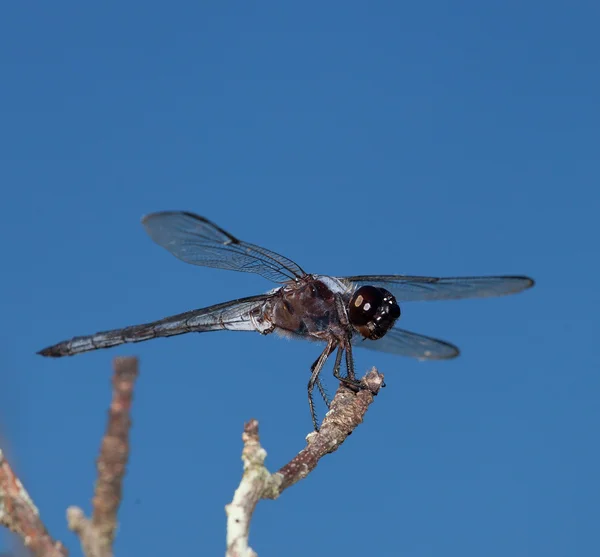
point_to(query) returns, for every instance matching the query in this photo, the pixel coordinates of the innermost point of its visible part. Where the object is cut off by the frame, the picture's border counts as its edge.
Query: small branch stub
(97, 534)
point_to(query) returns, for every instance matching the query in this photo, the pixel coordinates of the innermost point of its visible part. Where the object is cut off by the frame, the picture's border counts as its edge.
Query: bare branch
(19, 514)
(97, 534)
(348, 408)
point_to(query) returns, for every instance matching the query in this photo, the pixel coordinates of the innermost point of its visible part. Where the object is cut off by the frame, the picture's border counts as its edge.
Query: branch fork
(347, 411)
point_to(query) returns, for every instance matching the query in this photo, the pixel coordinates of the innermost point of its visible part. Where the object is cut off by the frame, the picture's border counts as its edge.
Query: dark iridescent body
(342, 312)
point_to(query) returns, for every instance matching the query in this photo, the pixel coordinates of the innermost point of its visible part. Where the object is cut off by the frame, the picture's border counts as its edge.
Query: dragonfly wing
(196, 240)
(405, 343)
(414, 289)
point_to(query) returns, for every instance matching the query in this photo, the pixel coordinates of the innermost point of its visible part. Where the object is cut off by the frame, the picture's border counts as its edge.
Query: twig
(347, 411)
(97, 534)
(19, 514)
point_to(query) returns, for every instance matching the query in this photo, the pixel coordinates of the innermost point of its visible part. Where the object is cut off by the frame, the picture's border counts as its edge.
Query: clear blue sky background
(442, 138)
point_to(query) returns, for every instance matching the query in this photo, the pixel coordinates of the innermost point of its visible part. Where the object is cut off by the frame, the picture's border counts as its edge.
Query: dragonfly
(340, 312)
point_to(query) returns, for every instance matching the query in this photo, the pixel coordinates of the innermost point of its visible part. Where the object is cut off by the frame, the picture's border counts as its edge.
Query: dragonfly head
(373, 311)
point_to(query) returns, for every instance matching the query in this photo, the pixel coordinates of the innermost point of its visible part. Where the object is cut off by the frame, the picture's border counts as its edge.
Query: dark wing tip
(50, 352)
(529, 282)
(193, 216)
(454, 354)
(150, 216)
(522, 283)
(526, 282)
(147, 217)
(451, 353)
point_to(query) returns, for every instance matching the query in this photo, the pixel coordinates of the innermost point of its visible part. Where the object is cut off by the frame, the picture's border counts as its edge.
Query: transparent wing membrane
(198, 241)
(405, 343)
(416, 289)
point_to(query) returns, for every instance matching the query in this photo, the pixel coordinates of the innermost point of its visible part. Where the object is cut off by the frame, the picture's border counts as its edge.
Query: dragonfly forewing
(417, 289)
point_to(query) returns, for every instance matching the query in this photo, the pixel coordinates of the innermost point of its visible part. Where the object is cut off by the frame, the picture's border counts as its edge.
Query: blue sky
(438, 138)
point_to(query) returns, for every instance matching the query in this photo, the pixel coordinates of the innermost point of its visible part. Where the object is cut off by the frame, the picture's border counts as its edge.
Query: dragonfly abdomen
(108, 339)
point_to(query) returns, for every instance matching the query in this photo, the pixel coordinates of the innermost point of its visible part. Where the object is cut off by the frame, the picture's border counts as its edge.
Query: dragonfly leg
(319, 383)
(320, 386)
(350, 379)
(338, 363)
(350, 362)
(314, 379)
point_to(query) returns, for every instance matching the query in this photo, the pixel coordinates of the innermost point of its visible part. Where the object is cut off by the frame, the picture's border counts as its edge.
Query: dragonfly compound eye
(364, 305)
(373, 311)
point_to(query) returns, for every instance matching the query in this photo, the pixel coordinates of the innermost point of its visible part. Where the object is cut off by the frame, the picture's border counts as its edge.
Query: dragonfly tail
(108, 339)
